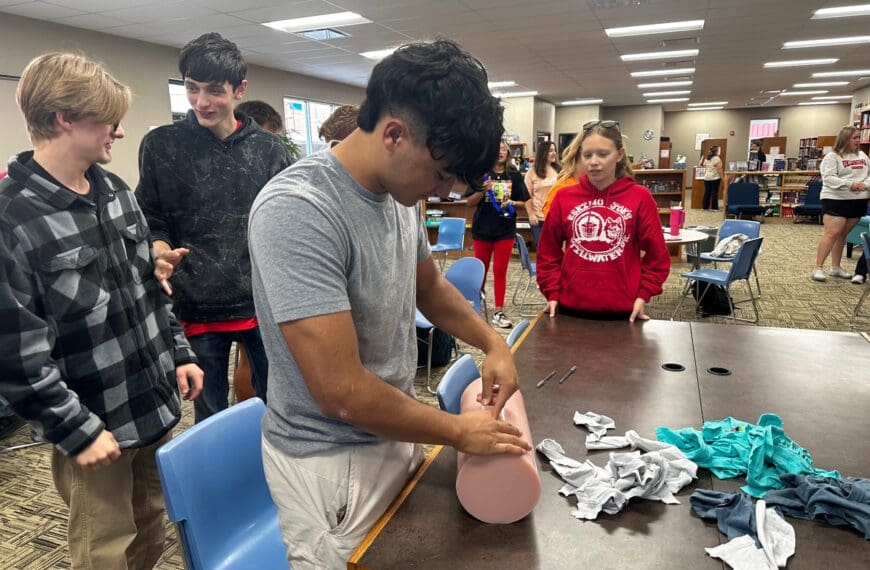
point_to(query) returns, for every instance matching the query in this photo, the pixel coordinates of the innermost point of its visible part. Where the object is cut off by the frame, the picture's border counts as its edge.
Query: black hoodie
(196, 192)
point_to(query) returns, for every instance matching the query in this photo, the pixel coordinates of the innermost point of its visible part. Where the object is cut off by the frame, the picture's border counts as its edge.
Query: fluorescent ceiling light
(663, 84)
(378, 53)
(831, 97)
(801, 62)
(850, 73)
(776, 91)
(500, 84)
(665, 28)
(819, 103)
(335, 20)
(841, 12)
(516, 94)
(705, 108)
(583, 102)
(852, 40)
(664, 72)
(659, 55)
(800, 93)
(666, 93)
(820, 84)
(670, 100)
(714, 103)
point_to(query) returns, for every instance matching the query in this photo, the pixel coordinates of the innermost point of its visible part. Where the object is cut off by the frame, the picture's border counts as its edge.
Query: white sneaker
(819, 275)
(500, 320)
(839, 272)
(858, 279)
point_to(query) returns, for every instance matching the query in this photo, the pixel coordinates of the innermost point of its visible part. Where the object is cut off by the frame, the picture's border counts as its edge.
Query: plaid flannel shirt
(87, 338)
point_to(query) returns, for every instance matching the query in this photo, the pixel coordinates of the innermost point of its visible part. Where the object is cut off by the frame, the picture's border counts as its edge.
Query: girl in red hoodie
(614, 258)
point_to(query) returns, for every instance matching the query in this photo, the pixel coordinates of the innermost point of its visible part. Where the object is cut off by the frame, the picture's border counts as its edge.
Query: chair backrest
(743, 193)
(517, 332)
(865, 240)
(748, 228)
(743, 262)
(525, 262)
(813, 197)
(451, 232)
(214, 485)
(466, 274)
(460, 374)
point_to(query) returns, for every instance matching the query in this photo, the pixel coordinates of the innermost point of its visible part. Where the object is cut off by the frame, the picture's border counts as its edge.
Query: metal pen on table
(546, 378)
(567, 374)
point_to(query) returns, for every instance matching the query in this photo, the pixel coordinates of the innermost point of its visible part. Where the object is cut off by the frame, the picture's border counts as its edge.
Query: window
(761, 128)
(303, 118)
(178, 104)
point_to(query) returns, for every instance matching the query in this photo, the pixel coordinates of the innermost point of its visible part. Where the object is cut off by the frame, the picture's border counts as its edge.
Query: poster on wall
(700, 138)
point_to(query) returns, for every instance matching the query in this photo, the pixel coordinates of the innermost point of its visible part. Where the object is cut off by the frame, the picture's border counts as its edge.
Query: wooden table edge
(352, 563)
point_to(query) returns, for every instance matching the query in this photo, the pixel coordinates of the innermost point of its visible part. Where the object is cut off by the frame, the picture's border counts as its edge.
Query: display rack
(779, 191)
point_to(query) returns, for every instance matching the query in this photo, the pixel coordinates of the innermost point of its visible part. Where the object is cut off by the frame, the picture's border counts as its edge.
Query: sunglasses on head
(605, 124)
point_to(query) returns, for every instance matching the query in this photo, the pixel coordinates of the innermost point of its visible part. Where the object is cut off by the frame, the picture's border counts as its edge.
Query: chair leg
(429, 362)
(856, 312)
(757, 282)
(685, 290)
(752, 299)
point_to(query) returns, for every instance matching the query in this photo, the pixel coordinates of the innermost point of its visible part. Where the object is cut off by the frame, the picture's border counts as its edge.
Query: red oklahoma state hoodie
(604, 233)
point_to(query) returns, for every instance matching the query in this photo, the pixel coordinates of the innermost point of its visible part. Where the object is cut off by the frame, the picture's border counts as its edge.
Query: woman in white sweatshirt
(845, 190)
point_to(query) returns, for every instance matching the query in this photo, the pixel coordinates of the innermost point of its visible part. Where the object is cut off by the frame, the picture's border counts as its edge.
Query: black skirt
(845, 208)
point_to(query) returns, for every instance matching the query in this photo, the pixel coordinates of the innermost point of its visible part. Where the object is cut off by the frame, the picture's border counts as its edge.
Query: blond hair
(843, 139)
(623, 167)
(70, 84)
(571, 158)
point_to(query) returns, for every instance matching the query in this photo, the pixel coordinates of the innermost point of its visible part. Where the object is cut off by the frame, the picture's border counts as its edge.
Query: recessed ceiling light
(666, 93)
(841, 12)
(800, 93)
(378, 53)
(669, 100)
(659, 55)
(335, 20)
(645, 30)
(852, 40)
(663, 84)
(705, 108)
(801, 62)
(664, 72)
(850, 73)
(501, 84)
(583, 102)
(821, 84)
(714, 103)
(819, 103)
(516, 94)
(831, 97)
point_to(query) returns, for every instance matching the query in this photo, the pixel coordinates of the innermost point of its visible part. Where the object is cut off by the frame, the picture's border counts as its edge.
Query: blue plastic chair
(216, 493)
(743, 200)
(812, 206)
(517, 332)
(460, 374)
(422, 322)
(467, 274)
(865, 238)
(741, 270)
(531, 269)
(749, 228)
(451, 237)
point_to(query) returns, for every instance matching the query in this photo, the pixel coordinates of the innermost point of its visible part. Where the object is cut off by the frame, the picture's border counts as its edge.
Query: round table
(690, 238)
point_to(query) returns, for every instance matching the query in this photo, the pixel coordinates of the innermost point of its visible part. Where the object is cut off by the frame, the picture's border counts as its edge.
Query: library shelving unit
(668, 188)
(813, 148)
(518, 153)
(864, 113)
(780, 191)
(460, 209)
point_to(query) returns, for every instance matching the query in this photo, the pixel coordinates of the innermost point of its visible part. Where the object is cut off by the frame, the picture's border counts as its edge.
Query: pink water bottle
(678, 216)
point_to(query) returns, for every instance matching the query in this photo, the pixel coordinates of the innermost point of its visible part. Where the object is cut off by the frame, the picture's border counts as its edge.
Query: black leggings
(711, 194)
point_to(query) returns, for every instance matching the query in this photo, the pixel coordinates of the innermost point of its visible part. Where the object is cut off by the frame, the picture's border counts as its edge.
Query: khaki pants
(116, 513)
(328, 502)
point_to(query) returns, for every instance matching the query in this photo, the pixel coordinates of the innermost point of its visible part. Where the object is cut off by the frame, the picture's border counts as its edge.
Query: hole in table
(719, 371)
(673, 367)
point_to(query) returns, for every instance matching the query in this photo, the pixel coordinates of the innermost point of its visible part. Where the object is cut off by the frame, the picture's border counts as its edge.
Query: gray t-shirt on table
(321, 244)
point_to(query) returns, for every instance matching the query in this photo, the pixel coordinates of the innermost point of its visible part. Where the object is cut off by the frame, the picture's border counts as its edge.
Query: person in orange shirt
(570, 174)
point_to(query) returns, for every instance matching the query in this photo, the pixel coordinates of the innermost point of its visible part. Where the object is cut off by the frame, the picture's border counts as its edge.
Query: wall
(544, 120)
(633, 121)
(519, 119)
(570, 119)
(145, 68)
(794, 122)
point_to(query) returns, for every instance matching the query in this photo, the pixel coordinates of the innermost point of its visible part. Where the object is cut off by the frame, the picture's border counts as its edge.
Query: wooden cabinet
(778, 191)
(668, 188)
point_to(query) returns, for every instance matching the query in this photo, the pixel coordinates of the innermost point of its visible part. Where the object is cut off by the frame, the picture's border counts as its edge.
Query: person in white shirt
(845, 189)
(712, 178)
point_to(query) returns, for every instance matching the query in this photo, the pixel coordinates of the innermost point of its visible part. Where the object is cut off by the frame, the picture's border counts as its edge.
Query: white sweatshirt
(840, 172)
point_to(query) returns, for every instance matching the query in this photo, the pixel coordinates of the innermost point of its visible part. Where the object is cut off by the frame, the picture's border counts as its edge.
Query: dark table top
(812, 379)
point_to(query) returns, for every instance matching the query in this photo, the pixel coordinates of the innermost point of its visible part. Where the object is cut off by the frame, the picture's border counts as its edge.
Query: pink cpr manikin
(501, 488)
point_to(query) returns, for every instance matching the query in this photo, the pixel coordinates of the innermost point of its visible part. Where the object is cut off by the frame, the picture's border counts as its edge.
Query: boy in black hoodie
(198, 179)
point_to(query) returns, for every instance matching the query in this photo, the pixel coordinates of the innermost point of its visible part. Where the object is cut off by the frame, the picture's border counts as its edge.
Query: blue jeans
(536, 232)
(213, 352)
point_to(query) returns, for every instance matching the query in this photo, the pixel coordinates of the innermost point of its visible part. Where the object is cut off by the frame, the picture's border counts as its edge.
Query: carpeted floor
(33, 519)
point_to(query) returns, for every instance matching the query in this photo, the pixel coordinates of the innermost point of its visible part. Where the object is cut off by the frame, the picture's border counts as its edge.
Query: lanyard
(506, 210)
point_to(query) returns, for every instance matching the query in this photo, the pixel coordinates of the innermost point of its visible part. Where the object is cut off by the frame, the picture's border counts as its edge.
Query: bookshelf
(519, 154)
(668, 187)
(865, 128)
(812, 150)
(780, 191)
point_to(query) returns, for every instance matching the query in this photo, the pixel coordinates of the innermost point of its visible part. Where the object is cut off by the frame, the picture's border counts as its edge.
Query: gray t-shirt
(321, 244)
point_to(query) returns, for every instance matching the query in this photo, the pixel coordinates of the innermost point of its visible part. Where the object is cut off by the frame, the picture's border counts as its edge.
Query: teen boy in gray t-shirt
(340, 260)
